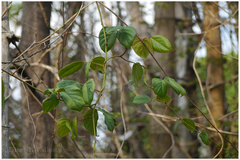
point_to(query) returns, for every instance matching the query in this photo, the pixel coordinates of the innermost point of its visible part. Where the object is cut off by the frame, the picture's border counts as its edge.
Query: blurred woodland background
(204, 40)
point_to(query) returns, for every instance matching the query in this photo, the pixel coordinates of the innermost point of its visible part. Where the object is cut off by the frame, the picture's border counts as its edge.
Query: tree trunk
(214, 61)
(185, 74)
(38, 147)
(165, 26)
(136, 143)
(5, 78)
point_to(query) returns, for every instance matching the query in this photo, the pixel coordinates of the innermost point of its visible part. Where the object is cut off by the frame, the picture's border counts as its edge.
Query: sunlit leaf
(160, 44)
(140, 49)
(62, 129)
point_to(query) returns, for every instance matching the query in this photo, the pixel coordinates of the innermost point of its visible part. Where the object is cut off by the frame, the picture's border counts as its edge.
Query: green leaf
(137, 72)
(70, 69)
(88, 91)
(165, 99)
(62, 129)
(70, 128)
(204, 137)
(189, 124)
(175, 86)
(175, 126)
(160, 44)
(3, 90)
(88, 122)
(97, 64)
(141, 99)
(87, 68)
(72, 97)
(111, 36)
(140, 49)
(58, 90)
(159, 87)
(126, 36)
(66, 83)
(50, 103)
(75, 126)
(49, 90)
(110, 120)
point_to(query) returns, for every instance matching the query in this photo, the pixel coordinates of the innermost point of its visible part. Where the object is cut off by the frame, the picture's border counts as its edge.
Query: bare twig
(73, 140)
(8, 7)
(121, 108)
(34, 126)
(15, 150)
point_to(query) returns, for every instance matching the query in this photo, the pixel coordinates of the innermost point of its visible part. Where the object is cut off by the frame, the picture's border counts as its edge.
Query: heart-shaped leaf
(50, 103)
(159, 87)
(137, 72)
(88, 121)
(110, 120)
(70, 69)
(72, 97)
(140, 49)
(97, 64)
(88, 91)
(111, 36)
(189, 124)
(126, 36)
(62, 129)
(160, 44)
(141, 99)
(204, 137)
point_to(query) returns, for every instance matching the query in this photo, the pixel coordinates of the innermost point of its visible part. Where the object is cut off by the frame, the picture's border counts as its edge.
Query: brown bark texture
(35, 145)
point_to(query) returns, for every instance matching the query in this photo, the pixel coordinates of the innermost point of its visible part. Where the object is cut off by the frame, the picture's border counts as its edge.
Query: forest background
(203, 60)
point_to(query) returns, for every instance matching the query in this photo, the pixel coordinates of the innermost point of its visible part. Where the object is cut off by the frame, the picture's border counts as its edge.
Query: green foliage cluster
(76, 96)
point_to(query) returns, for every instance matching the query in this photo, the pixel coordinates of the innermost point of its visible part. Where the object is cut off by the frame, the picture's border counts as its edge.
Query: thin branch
(8, 7)
(121, 107)
(14, 147)
(73, 140)
(34, 126)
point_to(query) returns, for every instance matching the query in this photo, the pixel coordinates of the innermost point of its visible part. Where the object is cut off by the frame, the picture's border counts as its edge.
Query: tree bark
(33, 16)
(214, 64)
(165, 26)
(5, 78)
